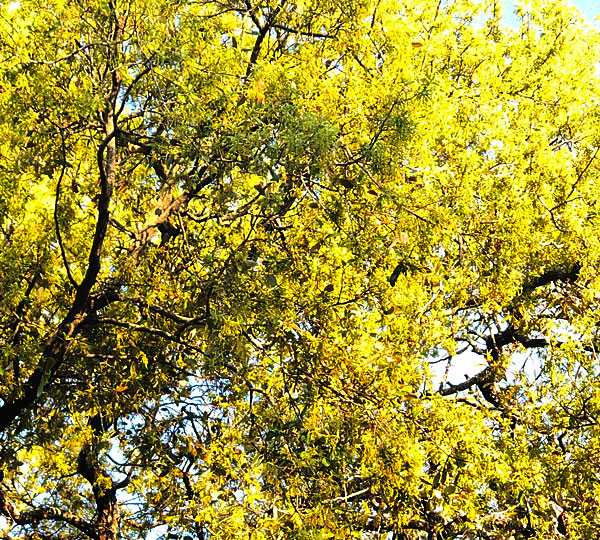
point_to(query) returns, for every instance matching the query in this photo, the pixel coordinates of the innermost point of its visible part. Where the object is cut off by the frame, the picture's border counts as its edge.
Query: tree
(243, 244)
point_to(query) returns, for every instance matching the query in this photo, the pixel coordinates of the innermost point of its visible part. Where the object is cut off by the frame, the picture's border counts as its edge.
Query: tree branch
(33, 517)
(49, 514)
(469, 383)
(302, 32)
(107, 508)
(57, 345)
(552, 276)
(145, 330)
(56, 201)
(262, 33)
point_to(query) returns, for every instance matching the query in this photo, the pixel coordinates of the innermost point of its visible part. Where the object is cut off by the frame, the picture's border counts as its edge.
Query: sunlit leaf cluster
(298, 270)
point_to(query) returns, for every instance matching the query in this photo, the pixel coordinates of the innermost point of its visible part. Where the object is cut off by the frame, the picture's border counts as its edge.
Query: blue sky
(589, 8)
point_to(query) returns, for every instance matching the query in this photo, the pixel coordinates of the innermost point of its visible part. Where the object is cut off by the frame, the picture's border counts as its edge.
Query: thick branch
(107, 169)
(34, 517)
(484, 380)
(58, 344)
(49, 514)
(262, 33)
(552, 276)
(106, 526)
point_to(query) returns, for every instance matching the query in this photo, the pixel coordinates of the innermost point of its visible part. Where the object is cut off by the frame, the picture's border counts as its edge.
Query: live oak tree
(249, 251)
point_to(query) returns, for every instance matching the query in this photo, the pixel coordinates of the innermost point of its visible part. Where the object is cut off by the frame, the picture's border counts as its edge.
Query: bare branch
(469, 383)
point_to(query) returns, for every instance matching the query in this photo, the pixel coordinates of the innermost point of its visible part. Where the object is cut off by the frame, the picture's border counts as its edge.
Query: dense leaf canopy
(309, 269)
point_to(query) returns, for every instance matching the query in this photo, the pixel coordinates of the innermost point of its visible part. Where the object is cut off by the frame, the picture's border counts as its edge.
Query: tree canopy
(309, 269)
